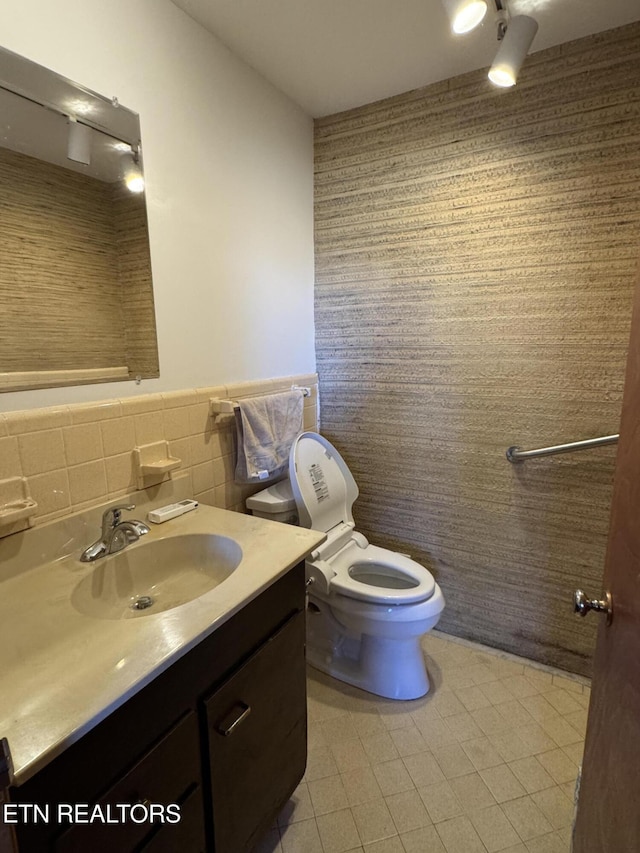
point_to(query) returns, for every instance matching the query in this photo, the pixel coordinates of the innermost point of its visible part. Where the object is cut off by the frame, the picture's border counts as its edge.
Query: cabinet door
(162, 776)
(258, 739)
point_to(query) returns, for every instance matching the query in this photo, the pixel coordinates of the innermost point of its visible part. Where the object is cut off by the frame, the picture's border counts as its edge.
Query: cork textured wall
(475, 259)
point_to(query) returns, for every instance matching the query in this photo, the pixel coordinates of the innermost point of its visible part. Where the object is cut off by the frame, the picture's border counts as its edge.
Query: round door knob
(582, 604)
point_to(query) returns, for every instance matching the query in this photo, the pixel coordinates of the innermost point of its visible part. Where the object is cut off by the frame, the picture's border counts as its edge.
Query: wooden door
(608, 819)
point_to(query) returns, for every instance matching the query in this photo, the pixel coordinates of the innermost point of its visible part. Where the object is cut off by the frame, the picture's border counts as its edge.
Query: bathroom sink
(150, 577)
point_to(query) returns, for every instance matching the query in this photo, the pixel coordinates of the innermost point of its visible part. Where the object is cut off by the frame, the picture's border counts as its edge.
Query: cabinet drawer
(162, 776)
(184, 837)
(258, 739)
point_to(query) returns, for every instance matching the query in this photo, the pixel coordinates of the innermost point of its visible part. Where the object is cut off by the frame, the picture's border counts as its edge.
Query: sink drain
(142, 602)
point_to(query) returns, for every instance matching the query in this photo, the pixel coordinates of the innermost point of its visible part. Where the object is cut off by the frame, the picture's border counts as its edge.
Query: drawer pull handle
(227, 730)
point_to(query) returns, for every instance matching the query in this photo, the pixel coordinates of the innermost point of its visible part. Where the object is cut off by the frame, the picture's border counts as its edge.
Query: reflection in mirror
(75, 272)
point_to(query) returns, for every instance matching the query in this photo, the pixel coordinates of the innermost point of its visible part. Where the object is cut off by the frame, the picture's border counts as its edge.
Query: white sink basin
(150, 577)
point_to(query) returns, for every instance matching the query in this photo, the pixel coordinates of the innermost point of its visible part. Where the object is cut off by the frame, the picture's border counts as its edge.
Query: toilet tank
(275, 503)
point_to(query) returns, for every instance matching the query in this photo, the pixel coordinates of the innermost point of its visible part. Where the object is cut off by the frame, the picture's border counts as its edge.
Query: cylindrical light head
(511, 54)
(465, 14)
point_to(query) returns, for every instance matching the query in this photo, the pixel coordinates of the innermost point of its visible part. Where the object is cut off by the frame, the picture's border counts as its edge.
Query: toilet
(368, 606)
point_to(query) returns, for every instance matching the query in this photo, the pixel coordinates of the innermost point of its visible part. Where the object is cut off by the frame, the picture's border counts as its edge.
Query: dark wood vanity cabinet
(222, 733)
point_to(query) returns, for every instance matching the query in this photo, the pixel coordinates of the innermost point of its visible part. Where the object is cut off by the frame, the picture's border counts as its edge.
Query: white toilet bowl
(368, 606)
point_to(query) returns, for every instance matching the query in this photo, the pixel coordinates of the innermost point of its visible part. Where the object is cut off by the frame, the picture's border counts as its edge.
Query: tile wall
(74, 457)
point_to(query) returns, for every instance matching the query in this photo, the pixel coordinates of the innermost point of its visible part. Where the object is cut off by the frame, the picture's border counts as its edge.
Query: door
(608, 819)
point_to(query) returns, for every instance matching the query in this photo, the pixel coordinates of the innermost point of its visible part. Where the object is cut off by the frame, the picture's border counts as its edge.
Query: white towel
(266, 427)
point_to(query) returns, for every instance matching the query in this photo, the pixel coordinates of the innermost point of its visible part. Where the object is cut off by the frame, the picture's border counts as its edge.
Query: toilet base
(392, 668)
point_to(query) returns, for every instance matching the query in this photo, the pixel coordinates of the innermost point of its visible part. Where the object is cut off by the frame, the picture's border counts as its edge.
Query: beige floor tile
(552, 843)
(459, 836)
(510, 745)
(496, 692)
(483, 674)
(298, 808)
(473, 698)
(569, 789)
(519, 686)
(494, 829)
(560, 731)
(515, 714)
(315, 737)
(367, 722)
(535, 738)
(575, 752)
(447, 703)
(526, 818)
(408, 811)
(481, 753)
(440, 801)
(320, 763)
(425, 840)
(472, 792)
(338, 729)
(423, 769)
(348, 755)
(393, 718)
(387, 845)
(459, 678)
(436, 733)
(531, 774)
(568, 684)
(562, 701)
(578, 720)
(327, 795)
(374, 821)
(338, 833)
(301, 836)
(558, 765)
(379, 747)
(463, 726)
(506, 668)
(361, 785)
(490, 720)
(408, 741)
(538, 707)
(502, 783)
(453, 761)
(269, 844)
(543, 680)
(393, 777)
(555, 805)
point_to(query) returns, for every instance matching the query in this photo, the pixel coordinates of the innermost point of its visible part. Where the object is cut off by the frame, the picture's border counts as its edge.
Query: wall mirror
(76, 296)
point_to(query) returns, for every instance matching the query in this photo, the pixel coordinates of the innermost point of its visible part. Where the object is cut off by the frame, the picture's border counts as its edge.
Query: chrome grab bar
(514, 454)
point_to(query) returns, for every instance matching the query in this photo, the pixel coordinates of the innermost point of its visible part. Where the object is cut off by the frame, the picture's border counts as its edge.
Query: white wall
(229, 170)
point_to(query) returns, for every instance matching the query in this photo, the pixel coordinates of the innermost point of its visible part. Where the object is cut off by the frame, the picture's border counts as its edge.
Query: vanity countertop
(62, 672)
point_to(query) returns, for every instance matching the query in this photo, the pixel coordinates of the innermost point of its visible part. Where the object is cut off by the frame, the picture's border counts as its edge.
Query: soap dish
(16, 504)
(154, 463)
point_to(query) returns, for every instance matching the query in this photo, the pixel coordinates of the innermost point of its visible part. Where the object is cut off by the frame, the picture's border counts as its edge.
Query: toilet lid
(322, 484)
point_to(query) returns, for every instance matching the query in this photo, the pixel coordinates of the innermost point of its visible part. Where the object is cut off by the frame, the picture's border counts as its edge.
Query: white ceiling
(331, 55)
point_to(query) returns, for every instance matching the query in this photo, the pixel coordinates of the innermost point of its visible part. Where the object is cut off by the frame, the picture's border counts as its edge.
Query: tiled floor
(486, 762)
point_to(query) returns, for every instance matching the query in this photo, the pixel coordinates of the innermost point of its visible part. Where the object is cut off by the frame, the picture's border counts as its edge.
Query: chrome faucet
(116, 534)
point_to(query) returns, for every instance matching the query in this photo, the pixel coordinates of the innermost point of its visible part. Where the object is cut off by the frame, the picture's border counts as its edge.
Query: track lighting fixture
(514, 34)
(465, 15)
(520, 32)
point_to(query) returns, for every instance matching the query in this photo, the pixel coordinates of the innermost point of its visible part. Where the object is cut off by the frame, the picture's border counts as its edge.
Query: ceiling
(332, 55)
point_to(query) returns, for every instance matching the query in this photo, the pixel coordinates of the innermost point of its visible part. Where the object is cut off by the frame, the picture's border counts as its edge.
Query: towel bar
(220, 406)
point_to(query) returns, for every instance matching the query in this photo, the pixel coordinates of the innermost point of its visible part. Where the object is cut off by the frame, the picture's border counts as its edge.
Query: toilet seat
(380, 576)
(324, 491)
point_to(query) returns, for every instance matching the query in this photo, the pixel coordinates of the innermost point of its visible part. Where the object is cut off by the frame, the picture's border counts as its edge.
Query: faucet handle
(111, 517)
